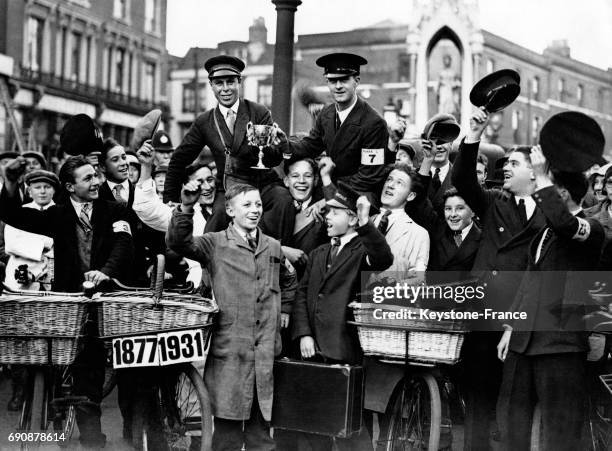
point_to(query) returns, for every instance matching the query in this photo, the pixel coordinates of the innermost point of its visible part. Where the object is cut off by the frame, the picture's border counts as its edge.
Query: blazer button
(494, 272)
(257, 322)
(501, 229)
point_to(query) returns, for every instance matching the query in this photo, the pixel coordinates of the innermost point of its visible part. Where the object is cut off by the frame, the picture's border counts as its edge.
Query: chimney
(258, 31)
(559, 47)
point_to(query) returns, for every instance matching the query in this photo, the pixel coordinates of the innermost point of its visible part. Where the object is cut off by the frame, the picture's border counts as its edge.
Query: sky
(586, 24)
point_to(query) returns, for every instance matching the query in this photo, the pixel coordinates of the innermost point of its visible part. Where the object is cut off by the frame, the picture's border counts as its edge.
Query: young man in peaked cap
(349, 131)
(223, 130)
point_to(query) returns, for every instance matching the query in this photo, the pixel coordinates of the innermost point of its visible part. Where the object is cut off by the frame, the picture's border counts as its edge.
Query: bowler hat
(41, 175)
(224, 66)
(338, 65)
(80, 136)
(145, 128)
(497, 90)
(39, 156)
(572, 142)
(441, 129)
(346, 198)
(161, 142)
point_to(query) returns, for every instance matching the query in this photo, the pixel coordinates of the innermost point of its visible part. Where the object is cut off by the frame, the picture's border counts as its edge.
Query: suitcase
(317, 398)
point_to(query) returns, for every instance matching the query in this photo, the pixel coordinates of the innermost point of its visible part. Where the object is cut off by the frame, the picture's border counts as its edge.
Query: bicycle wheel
(64, 416)
(34, 407)
(416, 416)
(110, 381)
(185, 410)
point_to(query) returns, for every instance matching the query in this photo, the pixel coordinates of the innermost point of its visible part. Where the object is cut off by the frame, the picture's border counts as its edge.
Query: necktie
(298, 206)
(338, 123)
(458, 237)
(335, 248)
(252, 242)
(205, 213)
(522, 211)
(383, 225)
(84, 218)
(230, 120)
(117, 193)
(435, 181)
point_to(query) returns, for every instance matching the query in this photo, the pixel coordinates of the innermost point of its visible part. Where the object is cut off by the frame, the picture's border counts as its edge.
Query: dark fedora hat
(80, 136)
(145, 128)
(497, 90)
(441, 129)
(337, 65)
(572, 142)
(224, 66)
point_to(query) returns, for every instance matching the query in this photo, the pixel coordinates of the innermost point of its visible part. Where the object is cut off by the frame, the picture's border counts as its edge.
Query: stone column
(413, 50)
(68, 51)
(282, 80)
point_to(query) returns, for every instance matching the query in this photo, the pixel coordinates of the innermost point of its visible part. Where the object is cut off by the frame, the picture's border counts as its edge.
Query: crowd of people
(283, 250)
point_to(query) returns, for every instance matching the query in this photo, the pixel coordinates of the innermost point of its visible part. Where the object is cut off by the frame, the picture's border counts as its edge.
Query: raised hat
(132, 158)
(41, 175)
(39, 156)
(224, 66)
(338, 65)
(441, 129)
(80, 136)
(346, 198)
(145, 128)
(572, 142)
(497, 90)
(161, 142)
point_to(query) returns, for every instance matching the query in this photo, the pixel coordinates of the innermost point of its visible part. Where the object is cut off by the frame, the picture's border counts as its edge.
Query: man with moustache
(92, 242)
(510, 220)
(254, 291)
(223, 130)
(349, 131)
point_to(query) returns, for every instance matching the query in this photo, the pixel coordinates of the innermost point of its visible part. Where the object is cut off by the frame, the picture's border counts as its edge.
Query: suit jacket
(437, 196)
(249, 287)
(363, 128)
(502, 256)
(147, 241)
(112, 252)
(203, 132)
(320, 308)
(554, 289)
(600, 212)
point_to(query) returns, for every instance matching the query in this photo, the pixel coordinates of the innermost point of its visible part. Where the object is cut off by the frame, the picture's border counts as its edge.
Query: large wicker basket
(429, 341)
(40, 327)
(128, 313)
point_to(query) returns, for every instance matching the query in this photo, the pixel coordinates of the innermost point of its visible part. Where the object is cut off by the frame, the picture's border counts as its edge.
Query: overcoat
(248, 286)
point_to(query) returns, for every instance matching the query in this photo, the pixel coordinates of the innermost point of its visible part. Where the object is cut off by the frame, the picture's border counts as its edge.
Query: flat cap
(41, 175)
(346, 198)
(441, 129)
(39, 156)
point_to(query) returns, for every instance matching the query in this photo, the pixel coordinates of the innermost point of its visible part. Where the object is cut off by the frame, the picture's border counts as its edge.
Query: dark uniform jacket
(203, 132)
(362, 129)
(249, 287)
(555, 288)
(112, 250)
(320, 309)
(502, 255)
(437, 196)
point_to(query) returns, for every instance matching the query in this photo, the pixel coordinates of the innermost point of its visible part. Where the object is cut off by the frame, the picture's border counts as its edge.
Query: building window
(516, 121)
(120, 9)
(189, 98)
(149, 81)
(535, 88)
(561, 89)
(34, 45)
(151, 13)
(264, 93)
(535, 128)
(580, 94)
(601, 99)
(75, 64)
(489, 65)
(119, 69)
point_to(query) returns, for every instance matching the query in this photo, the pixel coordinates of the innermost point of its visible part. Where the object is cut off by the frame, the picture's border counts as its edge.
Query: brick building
(106, 59)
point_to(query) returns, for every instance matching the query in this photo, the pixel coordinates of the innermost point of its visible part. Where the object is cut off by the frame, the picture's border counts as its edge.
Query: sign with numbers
(372, 157)
(160, 349)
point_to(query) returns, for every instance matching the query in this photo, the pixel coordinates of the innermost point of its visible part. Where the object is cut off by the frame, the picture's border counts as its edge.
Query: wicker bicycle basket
(384, 335)
(38, 328)
(128, 313)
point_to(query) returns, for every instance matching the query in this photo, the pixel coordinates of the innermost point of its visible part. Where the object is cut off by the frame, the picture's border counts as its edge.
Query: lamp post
(283, 62)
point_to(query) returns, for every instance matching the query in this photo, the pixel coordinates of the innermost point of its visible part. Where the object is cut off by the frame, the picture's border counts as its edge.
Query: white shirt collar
(125, 192)
(79, 205)
(344, 113)
(576, 211)
(530, 204)
(253, 234)
(443, 171)
(464, 232)
(35, 206)
(225, 109)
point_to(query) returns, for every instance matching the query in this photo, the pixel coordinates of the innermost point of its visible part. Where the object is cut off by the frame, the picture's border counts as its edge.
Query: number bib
(160, 349)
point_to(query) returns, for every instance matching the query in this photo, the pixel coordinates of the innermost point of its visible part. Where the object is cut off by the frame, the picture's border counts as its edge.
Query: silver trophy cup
(261, 136)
